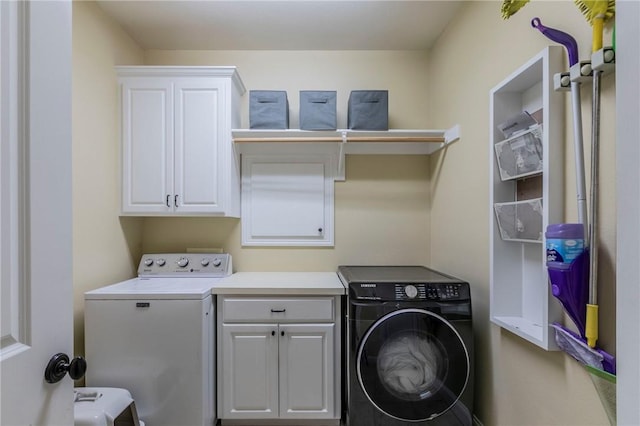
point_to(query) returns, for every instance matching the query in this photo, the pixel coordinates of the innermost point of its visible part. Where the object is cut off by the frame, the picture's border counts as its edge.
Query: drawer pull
(278, 311)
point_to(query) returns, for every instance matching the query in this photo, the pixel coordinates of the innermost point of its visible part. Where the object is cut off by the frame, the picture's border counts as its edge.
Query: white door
(198, 139)
(306, 371)
(35, 232)
(147, 148)
(249, 371)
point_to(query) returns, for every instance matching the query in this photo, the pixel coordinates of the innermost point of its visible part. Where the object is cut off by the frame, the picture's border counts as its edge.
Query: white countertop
(280, 283)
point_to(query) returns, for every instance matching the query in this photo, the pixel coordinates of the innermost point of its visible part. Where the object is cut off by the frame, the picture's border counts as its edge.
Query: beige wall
(518, 383)
(390, 209)
(381, 210)
(380, 217)
(106, 248)
(403, 73)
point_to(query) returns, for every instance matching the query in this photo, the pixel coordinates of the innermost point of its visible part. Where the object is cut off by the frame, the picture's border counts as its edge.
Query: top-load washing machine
(154, 336)
(409, 347)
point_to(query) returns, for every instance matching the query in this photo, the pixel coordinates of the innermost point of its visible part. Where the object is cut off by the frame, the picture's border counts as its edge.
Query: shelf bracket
(340, 175)
(452, 135)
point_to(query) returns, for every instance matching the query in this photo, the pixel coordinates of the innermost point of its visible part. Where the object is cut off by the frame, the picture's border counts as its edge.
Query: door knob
(59, 365)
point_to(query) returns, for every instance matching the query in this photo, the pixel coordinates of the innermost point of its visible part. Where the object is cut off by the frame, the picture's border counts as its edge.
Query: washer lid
(155, 288)
(394, 274)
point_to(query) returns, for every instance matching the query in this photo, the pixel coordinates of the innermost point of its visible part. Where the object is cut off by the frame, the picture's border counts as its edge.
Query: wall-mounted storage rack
(603, 60)
(389, 142)
(520, 296)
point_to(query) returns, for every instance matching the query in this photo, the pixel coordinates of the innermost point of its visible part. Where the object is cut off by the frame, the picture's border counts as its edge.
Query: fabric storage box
(318, 110)
(268, 109)
(368, 110)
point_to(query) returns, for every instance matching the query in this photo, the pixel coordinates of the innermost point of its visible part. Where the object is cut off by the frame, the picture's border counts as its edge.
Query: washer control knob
(411, 291)
(204, 262)
(217, 262)
(148, 262)
(183, 262)
(161, 262)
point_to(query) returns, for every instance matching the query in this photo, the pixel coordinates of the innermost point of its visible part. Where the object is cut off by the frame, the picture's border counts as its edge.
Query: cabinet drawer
(277, 309)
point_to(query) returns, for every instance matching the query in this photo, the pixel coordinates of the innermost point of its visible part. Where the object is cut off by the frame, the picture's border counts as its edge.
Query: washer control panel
(185, 265)
(410, 291)
(428, 291)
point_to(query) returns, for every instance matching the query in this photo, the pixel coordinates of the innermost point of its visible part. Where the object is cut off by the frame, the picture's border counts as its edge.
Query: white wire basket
(520, 220)
(520, 155)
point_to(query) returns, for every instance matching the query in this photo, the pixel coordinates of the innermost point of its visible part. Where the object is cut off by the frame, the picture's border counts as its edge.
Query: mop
(567, 340)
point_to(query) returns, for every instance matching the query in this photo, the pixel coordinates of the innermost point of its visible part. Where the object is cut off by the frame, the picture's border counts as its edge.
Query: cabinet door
(198, 111)
(306, 371)
(249, 371)
(287, 201)
(147, 148)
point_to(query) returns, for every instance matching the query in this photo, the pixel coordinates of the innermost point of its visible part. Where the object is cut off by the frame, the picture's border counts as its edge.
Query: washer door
(412, 365)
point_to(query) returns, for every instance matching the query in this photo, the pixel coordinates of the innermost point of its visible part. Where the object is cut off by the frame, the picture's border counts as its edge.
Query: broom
(596, 12)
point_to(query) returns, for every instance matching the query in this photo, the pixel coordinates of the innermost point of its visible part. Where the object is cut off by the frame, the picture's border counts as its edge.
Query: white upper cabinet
(177, 154)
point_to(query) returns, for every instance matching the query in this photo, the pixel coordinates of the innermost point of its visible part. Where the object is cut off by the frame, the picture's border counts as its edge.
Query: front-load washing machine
(409, 347)
(154, 336)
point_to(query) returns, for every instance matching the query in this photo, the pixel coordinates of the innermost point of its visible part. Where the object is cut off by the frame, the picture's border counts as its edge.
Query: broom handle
(579, 160)
(598, 26)
(591, 327)
(572, 51)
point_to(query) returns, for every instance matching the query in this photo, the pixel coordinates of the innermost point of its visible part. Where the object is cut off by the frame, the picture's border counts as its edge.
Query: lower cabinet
(281, 368)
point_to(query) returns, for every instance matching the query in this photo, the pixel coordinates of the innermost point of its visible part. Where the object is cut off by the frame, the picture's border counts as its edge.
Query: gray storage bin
(368, 110)
(318, 110)
(268, 109)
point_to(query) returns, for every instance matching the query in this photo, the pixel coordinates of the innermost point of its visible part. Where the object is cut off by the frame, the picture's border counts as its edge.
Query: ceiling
(282, 25)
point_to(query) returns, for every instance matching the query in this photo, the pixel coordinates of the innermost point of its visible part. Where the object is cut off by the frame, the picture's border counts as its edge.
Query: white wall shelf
(343, 141)
(521, 300)
(436, 137)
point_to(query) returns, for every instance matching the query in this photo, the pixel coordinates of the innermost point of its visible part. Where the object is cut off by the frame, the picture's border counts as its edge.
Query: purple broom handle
(559, 37)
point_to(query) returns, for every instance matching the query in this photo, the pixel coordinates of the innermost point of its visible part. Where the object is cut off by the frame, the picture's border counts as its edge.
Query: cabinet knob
(273, 332)
(282, 333)
(320, 230)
